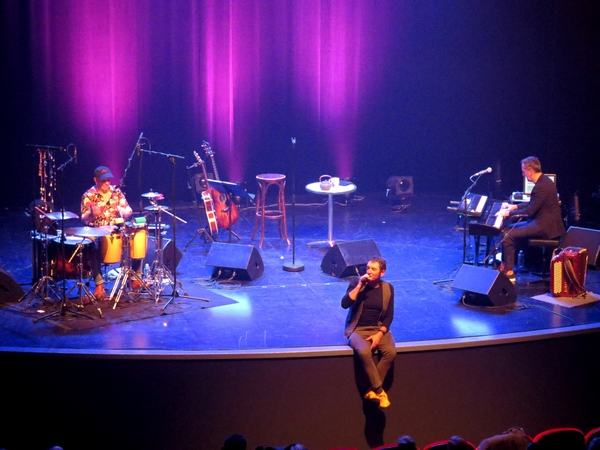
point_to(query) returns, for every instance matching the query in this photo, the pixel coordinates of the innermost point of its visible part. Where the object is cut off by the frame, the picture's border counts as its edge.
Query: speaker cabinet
(10, 290)
(171, 262)
(484, 287)
(235, 261)
(349, 258)
(584, 238)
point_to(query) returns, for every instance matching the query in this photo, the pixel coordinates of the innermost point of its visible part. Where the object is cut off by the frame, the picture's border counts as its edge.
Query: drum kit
(70, 254)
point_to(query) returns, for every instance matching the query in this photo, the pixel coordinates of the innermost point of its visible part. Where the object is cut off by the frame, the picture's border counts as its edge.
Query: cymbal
(61, 216)
(89, 231)
(156, 208)
(153, 195)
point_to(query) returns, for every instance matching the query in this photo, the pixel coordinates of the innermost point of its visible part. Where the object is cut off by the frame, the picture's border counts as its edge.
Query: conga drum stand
(126, 274)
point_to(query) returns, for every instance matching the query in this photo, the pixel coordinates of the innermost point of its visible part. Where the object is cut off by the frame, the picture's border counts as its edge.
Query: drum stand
(45, 286)
(83, 289)
(126, 275)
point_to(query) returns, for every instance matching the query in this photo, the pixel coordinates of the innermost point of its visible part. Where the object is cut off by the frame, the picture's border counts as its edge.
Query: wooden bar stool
(266, 180)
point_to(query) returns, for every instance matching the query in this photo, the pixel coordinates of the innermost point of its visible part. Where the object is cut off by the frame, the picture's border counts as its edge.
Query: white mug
(335, 181)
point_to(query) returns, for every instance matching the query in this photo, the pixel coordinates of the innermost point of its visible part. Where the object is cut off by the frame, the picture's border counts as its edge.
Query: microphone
(481, 172)
(364, 279)
(75, 154)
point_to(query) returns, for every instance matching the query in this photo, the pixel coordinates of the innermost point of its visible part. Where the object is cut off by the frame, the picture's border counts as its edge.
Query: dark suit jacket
(543, 211)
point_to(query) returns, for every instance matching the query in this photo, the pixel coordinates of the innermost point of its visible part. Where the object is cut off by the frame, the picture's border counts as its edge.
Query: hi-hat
(89, 231)
(58, 215)
(153, 195)
(156, 208)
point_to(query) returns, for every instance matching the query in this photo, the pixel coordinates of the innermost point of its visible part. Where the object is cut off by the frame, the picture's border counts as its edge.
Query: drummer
(102, 205)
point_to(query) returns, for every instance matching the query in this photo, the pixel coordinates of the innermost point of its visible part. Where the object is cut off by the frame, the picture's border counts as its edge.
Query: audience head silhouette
(458, 443)
(406, 443)
(235, 442)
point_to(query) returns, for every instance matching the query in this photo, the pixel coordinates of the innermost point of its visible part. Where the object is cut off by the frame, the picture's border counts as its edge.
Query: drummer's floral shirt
(115, 207)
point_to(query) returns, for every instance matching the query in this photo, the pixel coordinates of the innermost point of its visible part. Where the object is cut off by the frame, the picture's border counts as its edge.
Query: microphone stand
(63, 309)
(463, 203)
(294, 266)
(463, 206)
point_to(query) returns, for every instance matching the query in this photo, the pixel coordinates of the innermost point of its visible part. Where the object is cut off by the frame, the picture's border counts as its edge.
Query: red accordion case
(567, 272)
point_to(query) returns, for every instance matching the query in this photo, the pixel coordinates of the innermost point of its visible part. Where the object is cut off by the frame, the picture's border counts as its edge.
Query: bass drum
(70, 264)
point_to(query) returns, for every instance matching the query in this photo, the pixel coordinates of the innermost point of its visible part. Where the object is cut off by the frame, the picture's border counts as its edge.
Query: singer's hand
(374, 338)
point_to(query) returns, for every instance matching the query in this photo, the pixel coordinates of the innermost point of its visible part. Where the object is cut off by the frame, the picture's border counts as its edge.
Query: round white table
(315, 188)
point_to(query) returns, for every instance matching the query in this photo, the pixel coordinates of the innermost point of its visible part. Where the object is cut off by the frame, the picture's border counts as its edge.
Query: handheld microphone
(481, 172)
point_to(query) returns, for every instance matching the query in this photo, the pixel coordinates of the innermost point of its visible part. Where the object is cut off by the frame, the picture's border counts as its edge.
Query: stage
(290, 321)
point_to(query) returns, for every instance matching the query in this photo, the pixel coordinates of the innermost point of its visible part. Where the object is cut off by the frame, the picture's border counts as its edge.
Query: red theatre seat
(442, 445)
(561, 439)
(591, 435)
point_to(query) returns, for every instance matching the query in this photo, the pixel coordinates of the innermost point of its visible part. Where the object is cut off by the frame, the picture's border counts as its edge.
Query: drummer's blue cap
(103, 173)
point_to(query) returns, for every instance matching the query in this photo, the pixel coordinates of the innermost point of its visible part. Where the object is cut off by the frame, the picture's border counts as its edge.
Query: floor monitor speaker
(169, 260)
(349, 258)
(10, 290)
(484, 287)
(235, 261)
(584, 238)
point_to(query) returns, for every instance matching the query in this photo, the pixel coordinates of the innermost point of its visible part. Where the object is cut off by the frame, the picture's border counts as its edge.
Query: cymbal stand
(45, 287)
(158, 270)
(126, 274)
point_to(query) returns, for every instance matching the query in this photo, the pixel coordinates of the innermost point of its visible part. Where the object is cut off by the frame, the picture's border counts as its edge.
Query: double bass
(226, 218)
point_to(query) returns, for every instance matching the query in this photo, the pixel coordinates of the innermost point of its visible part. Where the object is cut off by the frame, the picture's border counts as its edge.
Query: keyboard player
(542, 214)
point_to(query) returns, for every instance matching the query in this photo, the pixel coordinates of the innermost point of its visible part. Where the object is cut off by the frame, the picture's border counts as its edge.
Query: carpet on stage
(129, 308)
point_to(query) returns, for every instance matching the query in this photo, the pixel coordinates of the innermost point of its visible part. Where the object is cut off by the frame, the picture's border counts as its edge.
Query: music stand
(230, 190)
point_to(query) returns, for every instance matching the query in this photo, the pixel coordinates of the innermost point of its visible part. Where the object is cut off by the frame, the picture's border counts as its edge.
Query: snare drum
(111, 248)
(139, 241)
(70, 262)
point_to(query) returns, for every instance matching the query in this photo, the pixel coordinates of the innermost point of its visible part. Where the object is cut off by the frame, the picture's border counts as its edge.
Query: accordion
(567, 272)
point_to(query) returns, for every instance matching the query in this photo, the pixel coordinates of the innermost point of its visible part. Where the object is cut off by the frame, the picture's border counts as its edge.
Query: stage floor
(285, 312)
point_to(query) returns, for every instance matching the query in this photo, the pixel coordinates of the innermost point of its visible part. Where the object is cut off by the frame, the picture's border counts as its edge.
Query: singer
(543, 215)
(371, 311)
(101, 205)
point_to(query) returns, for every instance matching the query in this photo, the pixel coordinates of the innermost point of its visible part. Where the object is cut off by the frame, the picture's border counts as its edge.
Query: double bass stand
(230, 190)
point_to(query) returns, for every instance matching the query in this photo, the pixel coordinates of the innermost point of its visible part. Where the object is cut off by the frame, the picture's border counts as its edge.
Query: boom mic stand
(136, 150)
(172, 276)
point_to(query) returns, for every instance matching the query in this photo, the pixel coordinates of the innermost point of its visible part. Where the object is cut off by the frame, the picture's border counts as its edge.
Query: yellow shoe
(371, 395)
(384, 401)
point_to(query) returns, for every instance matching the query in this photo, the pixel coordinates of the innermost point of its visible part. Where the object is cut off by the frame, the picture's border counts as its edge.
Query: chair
(591, 435)
(561, 439)
(265, 181)
(547, 246)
